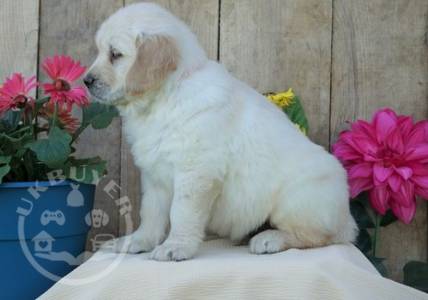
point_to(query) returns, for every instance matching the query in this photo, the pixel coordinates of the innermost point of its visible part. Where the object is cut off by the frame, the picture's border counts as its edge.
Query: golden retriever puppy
(214, 154)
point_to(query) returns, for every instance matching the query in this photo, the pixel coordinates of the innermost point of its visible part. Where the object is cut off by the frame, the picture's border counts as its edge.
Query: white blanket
(222, 271)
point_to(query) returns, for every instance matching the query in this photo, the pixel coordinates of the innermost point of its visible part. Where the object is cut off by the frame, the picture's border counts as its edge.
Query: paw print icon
(52, 216)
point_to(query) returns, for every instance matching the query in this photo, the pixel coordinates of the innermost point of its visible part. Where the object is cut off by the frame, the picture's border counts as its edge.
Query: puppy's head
(139, 48)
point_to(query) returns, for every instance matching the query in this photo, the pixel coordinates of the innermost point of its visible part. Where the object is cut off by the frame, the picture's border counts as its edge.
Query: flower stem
(376, 232)
(36, 121)
(54, 116)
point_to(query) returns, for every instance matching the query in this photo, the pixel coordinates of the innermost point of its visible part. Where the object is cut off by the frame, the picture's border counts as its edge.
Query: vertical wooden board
(68, 27)
(276, 44)
(380, 58)
(19, 32)
(202, 18)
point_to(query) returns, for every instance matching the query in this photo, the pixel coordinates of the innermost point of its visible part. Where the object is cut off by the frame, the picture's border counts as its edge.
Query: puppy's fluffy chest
(152, 140)
(148, 139)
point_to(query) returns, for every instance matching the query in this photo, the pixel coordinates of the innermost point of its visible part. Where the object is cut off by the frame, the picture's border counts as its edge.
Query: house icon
(43, 242)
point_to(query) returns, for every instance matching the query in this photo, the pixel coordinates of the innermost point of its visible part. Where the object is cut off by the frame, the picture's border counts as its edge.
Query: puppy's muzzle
(89, 80)
(96, 86)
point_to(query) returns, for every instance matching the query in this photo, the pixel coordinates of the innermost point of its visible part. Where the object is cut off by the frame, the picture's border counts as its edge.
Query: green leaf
(378, 263)
(4, 170)
(296, 113)
(416, 275)
(88, 170)
(4, 166)
(364, 242)
(98, 115)
(10, 120)
(54, 150)
(388, 218)
(5, 159)
(360, 214)
(12, 145)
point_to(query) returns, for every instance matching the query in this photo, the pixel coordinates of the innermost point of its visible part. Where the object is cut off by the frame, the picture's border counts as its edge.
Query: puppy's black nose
(89, 80)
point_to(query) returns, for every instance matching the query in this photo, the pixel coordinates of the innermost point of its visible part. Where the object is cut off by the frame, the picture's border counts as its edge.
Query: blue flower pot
(42, 234)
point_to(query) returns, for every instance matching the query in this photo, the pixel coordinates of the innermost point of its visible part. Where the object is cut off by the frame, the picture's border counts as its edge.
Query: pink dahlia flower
(388, 157)
(64, 71)
(15, 92)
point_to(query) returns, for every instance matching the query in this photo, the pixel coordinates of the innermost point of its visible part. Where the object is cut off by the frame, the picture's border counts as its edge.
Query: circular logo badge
(102, 246)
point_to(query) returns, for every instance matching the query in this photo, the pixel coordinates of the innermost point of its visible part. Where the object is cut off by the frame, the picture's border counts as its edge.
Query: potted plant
(45, 190)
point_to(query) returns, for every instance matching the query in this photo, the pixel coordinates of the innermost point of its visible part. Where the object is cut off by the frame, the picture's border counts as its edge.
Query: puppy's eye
(114, 55)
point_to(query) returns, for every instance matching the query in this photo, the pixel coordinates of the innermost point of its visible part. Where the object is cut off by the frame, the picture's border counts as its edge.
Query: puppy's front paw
(128, 244)
(175, 251)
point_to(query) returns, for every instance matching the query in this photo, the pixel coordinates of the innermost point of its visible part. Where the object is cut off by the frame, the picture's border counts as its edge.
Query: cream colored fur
(214, 154)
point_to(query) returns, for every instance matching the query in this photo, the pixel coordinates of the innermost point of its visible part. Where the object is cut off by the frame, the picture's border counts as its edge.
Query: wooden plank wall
(344, 58)
(380, 58)
(19, 33)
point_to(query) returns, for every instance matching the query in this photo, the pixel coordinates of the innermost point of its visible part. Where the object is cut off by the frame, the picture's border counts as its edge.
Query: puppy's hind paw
(173, 251)
(269, 241)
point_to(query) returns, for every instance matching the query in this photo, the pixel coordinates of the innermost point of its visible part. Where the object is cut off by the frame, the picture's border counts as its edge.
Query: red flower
(387, 157)
(63, 70)
(15, 91)
(64, 116)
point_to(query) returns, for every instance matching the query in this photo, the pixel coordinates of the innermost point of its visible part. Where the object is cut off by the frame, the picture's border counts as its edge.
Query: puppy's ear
(105, 218)
(88, 218)
(157, 57)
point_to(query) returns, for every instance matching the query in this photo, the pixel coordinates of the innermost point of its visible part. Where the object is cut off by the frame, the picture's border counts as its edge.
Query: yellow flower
(282, 99)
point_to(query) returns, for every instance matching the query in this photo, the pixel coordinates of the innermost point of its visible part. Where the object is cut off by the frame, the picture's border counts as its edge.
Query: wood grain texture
(19, 32)
(380, 58)
(202, 17)
(68, 27)
(276, 44)
(368, 53)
